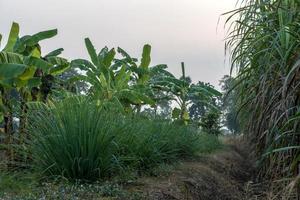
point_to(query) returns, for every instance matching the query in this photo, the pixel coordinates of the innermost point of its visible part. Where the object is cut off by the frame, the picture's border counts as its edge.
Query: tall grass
(264, 41)
(76, 139)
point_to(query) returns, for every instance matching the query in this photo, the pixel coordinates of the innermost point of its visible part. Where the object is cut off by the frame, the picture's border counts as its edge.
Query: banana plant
(144, 76)
(24, 73)
(21, 62)
(111, 79)
(181, 89)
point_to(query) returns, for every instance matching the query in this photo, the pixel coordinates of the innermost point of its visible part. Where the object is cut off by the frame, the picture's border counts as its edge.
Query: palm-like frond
(264, 49)
(112, 78)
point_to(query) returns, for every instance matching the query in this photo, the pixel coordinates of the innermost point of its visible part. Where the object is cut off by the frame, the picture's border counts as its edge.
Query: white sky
(178, 30)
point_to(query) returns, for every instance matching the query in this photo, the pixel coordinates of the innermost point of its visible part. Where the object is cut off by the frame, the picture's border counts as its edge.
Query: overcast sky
(178, 30)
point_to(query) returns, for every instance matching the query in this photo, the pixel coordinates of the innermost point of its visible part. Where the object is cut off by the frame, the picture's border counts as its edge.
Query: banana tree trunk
(23, 119)
(8, 127)
(46, 87)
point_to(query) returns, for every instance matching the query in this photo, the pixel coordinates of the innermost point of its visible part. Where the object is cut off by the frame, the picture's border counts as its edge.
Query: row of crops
(264, 41)
(87, 119)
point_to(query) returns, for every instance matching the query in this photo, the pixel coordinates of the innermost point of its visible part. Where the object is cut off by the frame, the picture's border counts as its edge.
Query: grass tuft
(76, 139)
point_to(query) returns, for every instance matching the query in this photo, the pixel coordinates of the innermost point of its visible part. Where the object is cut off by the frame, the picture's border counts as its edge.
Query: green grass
(81, 151)
(77, 140)
(14, 183)
(208, 143)
(26, 186)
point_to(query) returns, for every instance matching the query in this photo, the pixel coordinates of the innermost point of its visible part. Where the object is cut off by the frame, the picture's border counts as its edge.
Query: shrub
(210, 123)
(78, 140)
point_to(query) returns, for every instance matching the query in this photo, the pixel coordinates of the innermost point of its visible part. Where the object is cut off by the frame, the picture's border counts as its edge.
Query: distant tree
(229, 104)
(210, 122)
(181, 89)
(198, 108)
(75, 87)
(162, 107)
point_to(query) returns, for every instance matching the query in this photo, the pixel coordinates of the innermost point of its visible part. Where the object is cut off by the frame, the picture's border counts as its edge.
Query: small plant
(209, 143)
(77, 139)
(210, 123)
(181, 90)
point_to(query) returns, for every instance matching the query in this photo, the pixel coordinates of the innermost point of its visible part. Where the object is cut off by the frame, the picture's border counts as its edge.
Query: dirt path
(223, 175)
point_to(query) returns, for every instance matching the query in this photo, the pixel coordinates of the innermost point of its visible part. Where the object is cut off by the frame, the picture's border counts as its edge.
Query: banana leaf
(146, 59)
(91, 51)
(12, 38)
(11, 70)
(31, 41)
(38, 63)
(54, 53)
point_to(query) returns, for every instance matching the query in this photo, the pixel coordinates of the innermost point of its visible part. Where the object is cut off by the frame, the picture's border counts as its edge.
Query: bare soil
(223, 175)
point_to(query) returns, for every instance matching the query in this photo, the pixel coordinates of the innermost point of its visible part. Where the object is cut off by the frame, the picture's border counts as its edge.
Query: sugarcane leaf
(281, 150)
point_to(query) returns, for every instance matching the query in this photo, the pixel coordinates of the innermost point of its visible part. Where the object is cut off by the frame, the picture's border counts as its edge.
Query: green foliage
(12, 38)
(21, 59)
(146, 59)
(111, 79)
(209, 143)
(106, 129)
(24, 76)
(11, 70)
(264, 43)
(25, 185)
(16, 182)
(78, 140)
(198, 107)
(230, 104)
(181, 90)
(210, 123)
